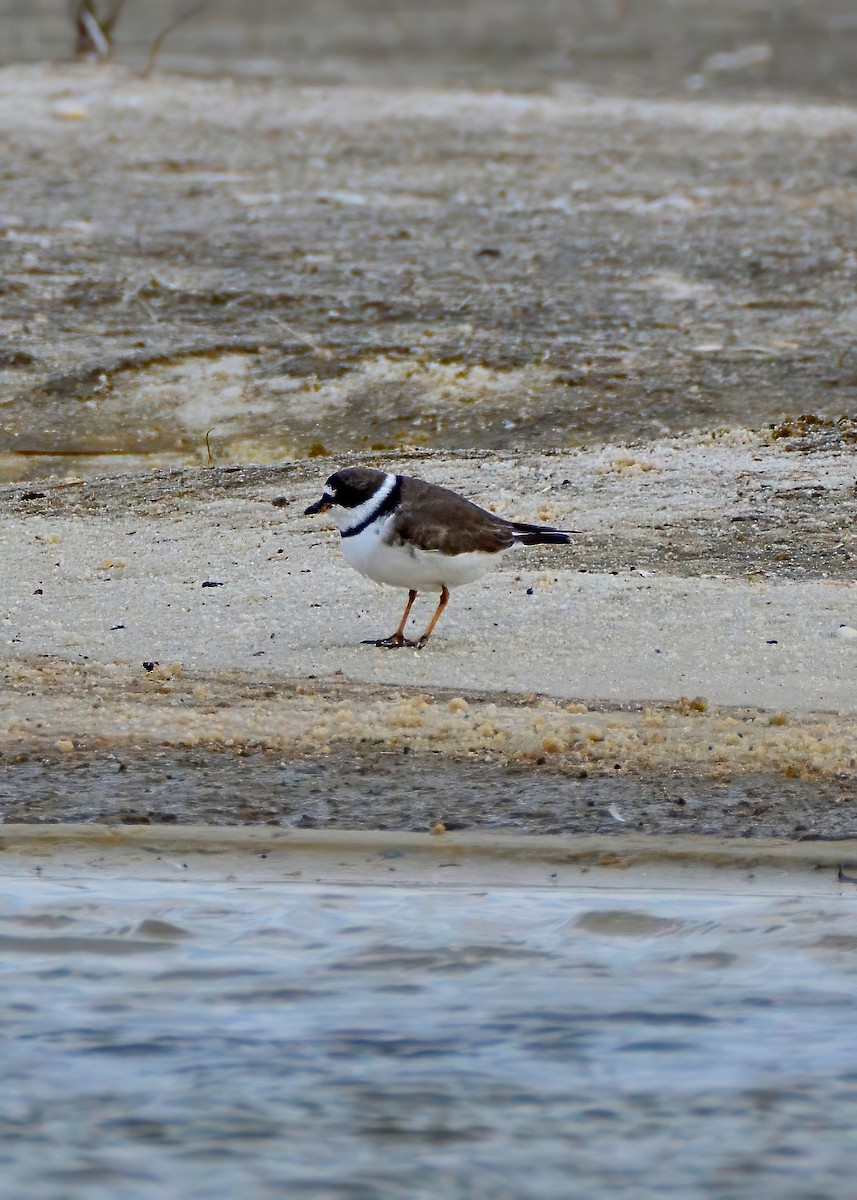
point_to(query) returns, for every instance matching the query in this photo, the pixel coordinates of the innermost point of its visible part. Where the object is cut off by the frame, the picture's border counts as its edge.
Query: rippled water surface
(267, 1040)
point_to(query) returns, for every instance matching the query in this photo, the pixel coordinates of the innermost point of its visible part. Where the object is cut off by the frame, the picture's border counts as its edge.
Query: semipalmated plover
(415, 535)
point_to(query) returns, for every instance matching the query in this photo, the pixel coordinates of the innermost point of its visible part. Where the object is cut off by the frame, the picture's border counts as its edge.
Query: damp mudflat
(312, 271)
(416, 793)
(195, 1037)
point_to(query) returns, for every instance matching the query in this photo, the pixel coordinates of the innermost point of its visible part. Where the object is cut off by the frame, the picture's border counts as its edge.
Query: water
(269, 1039)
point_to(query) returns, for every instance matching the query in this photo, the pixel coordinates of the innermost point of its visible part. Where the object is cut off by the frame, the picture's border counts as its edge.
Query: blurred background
(639, 46)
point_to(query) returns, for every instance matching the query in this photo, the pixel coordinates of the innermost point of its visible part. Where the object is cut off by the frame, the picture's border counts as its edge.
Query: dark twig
(166, 31)
(94, 39)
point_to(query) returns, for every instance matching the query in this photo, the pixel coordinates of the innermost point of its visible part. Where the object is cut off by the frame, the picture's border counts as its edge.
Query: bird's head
(348, 488)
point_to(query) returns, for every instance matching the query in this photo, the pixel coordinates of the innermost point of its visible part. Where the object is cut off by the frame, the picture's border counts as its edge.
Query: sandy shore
(328, 275)
(693, 629)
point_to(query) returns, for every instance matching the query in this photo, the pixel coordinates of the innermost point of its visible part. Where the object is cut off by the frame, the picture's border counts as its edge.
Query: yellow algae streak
(98, 706)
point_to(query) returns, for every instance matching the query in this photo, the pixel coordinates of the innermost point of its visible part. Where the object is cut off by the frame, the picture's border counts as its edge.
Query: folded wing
(436, 519)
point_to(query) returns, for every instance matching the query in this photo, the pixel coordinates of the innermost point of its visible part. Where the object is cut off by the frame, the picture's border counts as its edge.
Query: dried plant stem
(166, 31)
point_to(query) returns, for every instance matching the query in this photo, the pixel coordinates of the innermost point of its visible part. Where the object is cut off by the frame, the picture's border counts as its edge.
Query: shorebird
(412, 534)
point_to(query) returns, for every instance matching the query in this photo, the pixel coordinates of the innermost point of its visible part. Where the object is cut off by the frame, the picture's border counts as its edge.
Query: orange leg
(441, 605)
(398, 638)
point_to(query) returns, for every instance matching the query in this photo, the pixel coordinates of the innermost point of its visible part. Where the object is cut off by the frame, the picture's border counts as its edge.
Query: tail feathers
(541, 535)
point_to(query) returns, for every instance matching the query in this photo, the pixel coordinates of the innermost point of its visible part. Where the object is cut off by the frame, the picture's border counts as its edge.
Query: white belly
(405, 567)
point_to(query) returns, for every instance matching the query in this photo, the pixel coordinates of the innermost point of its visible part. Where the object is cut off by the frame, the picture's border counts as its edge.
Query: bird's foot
(393, 642)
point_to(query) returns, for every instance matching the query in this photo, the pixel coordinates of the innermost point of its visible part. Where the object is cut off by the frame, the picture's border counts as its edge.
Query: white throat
(350, 518)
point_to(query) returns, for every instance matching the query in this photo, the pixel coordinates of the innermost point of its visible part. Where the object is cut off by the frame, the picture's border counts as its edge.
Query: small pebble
(69, 110)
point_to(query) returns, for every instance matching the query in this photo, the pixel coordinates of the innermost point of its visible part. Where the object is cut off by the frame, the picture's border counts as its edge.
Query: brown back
(435, 518)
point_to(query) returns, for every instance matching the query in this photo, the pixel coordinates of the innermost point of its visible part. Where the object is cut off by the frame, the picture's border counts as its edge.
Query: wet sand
(656, 866)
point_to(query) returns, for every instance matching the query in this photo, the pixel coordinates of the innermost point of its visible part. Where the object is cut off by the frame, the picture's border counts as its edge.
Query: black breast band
(386, 506)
